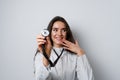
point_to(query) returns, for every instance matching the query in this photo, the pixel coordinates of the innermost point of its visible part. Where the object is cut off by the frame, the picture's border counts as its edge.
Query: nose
(59, 32)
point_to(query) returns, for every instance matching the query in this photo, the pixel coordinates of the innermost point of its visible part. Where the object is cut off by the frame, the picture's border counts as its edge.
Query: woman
(72, 64)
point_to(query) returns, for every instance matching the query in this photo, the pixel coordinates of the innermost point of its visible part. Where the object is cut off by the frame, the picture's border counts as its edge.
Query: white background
(95, 23)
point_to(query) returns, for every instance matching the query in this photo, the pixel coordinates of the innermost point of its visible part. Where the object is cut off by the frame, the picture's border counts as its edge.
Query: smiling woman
(58, 33)
(72, 63)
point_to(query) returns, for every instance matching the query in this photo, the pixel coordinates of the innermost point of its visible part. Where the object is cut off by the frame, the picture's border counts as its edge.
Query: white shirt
(69, 67)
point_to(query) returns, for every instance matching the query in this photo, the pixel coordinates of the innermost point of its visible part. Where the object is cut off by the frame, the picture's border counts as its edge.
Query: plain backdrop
(94, 23)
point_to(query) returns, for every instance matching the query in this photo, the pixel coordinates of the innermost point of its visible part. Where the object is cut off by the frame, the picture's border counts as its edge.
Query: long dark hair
(69, 35)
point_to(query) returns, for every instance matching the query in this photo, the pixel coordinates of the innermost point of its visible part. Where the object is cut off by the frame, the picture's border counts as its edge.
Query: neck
(57, 46)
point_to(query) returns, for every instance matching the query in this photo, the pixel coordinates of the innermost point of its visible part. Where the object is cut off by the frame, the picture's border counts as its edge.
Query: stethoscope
(45, 33)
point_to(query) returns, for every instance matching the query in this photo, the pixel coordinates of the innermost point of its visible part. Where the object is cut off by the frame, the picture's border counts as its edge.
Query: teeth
(59, 38)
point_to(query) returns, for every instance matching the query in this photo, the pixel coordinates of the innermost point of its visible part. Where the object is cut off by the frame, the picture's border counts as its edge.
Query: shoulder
(38, 56)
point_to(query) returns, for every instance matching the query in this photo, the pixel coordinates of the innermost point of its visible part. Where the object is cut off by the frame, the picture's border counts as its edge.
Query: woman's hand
(42, 41)
(74, 47)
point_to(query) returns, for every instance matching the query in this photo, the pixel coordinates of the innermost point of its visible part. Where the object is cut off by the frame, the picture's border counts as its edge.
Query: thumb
(48, 39)
(76, 42)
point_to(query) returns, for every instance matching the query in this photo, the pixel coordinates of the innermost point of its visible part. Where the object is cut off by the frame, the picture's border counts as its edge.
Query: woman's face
(58, 33)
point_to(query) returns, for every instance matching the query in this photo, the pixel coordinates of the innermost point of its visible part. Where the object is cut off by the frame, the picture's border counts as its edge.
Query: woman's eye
(64, 30)
(55, 30)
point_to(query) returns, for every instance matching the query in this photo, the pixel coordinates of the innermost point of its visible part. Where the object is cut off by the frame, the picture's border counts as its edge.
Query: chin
(58, 43)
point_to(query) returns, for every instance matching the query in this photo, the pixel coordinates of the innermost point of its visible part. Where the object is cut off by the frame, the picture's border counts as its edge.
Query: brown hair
(69, 36)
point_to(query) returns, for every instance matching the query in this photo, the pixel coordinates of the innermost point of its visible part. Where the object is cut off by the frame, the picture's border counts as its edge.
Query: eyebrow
(57, 28)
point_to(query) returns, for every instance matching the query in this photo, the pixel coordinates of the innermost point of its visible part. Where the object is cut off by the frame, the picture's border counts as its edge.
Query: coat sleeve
(83, 69)
(41, 72)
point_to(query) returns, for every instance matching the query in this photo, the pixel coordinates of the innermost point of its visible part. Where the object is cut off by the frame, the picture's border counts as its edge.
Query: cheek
(52, 36)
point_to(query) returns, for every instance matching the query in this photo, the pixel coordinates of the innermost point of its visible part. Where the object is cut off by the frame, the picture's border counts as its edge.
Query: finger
(40, 43)
(67, 48)
(76, 42)
(47, 38)
(65, 45)
(66, 42)
(40, 37)
(41, 40)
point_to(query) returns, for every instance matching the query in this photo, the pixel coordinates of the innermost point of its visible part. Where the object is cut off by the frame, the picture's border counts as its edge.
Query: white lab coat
(69, 67)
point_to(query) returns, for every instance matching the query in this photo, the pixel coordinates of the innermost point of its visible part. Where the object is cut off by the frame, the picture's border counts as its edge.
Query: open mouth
(59, 38)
